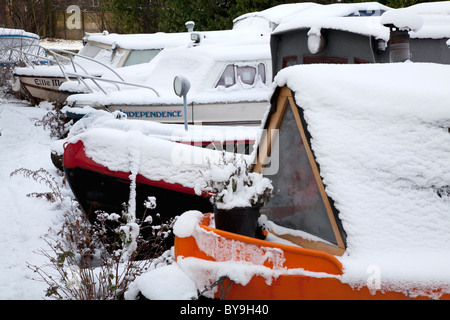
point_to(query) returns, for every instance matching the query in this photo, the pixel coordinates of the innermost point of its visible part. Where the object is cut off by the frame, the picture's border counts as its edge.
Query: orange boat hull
(325, 285)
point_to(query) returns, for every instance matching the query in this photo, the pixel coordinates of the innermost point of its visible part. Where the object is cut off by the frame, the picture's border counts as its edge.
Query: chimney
(399, 50)
(400, 22)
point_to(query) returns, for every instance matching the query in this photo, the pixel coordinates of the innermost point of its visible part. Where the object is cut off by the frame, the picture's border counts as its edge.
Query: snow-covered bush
(57, 122)
(44, 177)
(94, 261)
(231, 183)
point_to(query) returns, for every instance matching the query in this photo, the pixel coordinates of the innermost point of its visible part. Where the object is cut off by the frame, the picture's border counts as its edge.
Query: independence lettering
(153, 114)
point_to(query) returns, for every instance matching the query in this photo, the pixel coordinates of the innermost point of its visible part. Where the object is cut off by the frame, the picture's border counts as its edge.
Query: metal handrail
(112, 81)
(26, 54)
(78, 76)
(74, 64)
(54, 60)
(87, 58)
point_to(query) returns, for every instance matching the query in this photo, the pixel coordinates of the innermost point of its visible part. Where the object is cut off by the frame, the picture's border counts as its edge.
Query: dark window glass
(328, 60)
(289, 61)
(141, 56)
(298, 203)
(262, 72)
(227, 79)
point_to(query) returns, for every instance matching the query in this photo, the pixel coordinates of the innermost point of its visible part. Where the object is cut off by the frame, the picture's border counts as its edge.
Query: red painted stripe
(75, 157)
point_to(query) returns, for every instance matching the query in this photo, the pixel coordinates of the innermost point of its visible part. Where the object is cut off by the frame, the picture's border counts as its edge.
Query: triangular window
(301, 206)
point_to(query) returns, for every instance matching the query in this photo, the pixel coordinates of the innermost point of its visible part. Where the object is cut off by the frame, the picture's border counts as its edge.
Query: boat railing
(83, 77)
(17, 54)
(58, 56)
(51, 61)
(94, 79)
(70, 56)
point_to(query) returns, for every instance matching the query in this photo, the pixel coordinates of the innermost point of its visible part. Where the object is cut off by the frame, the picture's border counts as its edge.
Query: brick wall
(73, 25)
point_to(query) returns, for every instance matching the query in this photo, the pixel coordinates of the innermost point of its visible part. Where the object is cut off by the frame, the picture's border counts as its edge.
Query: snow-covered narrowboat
(109, 162)
(363, 182)
(362, 35)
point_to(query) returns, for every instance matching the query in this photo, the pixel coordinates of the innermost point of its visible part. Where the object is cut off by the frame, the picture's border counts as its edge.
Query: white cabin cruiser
(229, 84)
(100, 53)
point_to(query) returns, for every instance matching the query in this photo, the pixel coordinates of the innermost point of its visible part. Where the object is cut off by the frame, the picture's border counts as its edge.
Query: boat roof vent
(190, 26)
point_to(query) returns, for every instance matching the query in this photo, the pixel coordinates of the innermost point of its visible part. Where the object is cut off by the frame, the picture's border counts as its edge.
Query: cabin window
(298, 204)
(90, 50)
(245, 74)
(141, 56)
(289, 61)
(262, 72)
(319, 59)
(360, 61)
(227, 79)
(301, 209)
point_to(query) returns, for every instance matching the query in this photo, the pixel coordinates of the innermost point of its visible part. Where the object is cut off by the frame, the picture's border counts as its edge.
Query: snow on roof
(344, 10)
(402, 19)
(427, 20)
(6, 32)
(163, 40)
(360, 18)
(369, 26)
(271, 17)
(277, 13)
(439, 7)
(434, 27)
(195, 63)
(140, 41)
(201, 65)
(127, 151)
(381, 136)
(436, 19)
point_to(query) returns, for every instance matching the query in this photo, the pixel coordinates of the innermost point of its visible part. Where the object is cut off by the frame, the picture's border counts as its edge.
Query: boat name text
(47, 82)
(153, 114)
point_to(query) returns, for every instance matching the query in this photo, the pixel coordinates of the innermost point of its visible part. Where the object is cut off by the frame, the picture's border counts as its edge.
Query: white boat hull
(43, 88)
(242, 113)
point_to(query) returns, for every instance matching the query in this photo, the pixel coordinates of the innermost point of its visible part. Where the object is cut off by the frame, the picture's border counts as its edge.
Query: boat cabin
(338, 155)
(130, 49)
(229, 74)
(355, 34)
(358, 156)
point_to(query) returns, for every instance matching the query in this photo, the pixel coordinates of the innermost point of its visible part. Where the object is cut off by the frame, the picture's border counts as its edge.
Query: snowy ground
(68, 45)
(24, 220)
